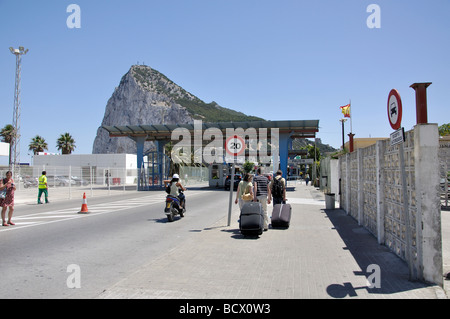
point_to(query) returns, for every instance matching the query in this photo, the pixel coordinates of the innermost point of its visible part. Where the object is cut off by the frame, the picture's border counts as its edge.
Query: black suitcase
(251, 220)
(281, 215)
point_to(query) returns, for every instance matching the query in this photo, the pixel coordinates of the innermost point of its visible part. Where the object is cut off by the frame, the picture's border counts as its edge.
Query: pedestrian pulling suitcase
(281, 215)
(251, 220)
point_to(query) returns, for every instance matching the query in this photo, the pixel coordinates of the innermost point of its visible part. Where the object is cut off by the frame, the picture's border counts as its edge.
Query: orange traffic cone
(84, 208)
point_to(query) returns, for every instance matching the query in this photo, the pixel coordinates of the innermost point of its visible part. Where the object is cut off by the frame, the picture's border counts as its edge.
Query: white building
(119, 167)
(4, 149)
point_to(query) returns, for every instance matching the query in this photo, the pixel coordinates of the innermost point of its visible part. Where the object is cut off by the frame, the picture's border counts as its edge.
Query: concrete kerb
(324, 254)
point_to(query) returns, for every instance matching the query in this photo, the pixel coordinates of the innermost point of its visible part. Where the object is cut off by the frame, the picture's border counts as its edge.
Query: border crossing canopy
(161, 134)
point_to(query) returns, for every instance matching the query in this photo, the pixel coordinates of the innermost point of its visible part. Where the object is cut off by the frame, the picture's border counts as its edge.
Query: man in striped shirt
(262, 194)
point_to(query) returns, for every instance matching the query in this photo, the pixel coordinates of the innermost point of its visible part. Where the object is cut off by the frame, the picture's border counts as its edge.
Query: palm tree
(8, 133)
(174, 167)
(38, 144)
(65, 143)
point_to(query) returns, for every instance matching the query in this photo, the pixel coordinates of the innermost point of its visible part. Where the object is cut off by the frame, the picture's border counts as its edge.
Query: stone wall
(399, 203)
(444, 170)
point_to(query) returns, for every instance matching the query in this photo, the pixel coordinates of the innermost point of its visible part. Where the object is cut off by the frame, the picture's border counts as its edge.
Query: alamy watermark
(374, 279)
(74, 19)
(74, 279)
(374, 19)
(189, 149)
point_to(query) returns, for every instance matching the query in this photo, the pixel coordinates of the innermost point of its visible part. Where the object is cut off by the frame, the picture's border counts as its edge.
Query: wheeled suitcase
(281, 215)
(251, 220)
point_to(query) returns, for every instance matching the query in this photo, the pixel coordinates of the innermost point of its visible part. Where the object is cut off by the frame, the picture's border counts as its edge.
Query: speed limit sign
(235, 145)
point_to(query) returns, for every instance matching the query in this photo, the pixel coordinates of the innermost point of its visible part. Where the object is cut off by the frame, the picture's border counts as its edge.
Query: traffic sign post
(398, 136)
(395, 112)
(234, 146)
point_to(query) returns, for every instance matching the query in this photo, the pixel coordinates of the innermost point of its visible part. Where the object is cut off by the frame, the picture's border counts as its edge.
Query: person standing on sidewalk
(307, 179)
(8, 201)
(278, 189)
(43, 187)
(263, 194)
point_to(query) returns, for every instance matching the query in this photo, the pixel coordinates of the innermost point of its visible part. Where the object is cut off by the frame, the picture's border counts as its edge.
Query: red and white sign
(235, 145)
(394, 109)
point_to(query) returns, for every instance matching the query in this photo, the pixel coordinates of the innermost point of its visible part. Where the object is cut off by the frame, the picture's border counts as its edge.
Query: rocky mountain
(146, 96)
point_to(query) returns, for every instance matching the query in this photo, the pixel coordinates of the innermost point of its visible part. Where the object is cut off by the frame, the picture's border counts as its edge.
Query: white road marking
(37, 219)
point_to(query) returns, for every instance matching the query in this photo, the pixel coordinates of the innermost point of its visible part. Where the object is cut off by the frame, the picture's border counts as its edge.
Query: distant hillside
(323, 148)
(213, 112)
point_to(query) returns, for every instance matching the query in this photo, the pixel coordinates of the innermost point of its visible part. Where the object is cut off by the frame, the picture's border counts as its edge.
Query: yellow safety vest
(43, 182)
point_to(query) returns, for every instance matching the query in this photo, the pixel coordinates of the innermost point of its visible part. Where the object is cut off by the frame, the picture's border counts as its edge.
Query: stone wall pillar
(428, 225)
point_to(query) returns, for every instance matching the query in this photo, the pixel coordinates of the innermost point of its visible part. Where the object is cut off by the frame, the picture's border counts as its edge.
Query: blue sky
(284, 59)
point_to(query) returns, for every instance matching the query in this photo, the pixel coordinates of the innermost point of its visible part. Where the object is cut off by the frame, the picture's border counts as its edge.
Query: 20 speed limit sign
(235, 145)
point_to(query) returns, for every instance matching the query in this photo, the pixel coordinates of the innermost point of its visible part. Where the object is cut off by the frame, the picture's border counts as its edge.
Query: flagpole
(351, 129)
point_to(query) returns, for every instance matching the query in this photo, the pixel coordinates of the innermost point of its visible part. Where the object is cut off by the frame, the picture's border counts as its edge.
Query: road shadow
(394, 272)
(164, 220)
(208, 188)
(236, 234)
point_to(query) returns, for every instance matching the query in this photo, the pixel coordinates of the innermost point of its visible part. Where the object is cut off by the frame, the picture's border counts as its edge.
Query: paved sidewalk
(324, 254)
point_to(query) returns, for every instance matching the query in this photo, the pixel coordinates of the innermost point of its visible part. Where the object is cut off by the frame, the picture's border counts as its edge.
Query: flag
(345, 110)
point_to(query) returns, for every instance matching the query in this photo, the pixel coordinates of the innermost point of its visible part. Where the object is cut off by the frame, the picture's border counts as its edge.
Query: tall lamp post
(15, 164)
(343, 142)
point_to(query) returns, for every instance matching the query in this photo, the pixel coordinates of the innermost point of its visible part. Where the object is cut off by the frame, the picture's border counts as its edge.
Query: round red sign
(235, 145)
(394, 109)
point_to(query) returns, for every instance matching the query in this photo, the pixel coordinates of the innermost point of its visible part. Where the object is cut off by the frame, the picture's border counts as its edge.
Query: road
(121, 234)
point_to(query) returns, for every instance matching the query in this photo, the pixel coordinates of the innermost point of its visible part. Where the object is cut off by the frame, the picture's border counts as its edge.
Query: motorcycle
(173, 207)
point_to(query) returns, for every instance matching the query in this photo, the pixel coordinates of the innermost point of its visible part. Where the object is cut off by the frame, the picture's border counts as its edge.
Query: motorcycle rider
(175, 185)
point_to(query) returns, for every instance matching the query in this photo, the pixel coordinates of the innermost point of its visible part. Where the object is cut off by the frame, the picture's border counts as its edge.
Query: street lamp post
(15, 164)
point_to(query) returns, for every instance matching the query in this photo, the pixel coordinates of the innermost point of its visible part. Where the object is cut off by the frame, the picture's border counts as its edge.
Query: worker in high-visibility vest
(43, 187)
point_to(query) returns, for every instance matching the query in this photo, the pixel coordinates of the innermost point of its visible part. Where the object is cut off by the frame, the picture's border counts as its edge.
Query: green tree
(65, 143)
(248, 167)
(313, 153)
(8, 133)
(311, 149)
(38, 144)
(444, 129)
(174, 167)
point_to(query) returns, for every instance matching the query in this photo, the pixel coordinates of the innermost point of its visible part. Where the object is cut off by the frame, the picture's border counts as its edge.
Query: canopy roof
(298, 129)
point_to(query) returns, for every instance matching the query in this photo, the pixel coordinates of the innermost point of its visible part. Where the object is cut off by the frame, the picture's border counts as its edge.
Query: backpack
(168, 188)
(247, 196)
(277, 188)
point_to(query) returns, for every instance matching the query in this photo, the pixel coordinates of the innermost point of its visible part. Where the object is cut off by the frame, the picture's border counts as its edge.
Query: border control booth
(153, 164)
